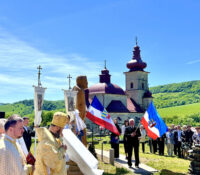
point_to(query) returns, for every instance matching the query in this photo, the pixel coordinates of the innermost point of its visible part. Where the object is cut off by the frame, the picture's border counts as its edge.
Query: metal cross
(39, 73)
(69, 81)
(104, 64)
(136, 40)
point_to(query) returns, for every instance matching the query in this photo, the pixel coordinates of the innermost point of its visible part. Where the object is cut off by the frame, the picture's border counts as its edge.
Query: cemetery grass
(111, 170)
(164, 164)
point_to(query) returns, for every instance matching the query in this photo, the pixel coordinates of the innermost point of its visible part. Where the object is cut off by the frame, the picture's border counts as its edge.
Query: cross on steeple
(136, 40)
(105, 64)
(69, 81)
(39, 73)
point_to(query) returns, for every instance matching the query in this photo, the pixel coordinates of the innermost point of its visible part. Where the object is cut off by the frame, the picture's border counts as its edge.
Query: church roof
(147, 94)
(133, 106)
(106, 88)
(117, 106)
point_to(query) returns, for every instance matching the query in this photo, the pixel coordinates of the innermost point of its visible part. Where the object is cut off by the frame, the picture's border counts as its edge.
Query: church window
(131, 85)
(142, 85)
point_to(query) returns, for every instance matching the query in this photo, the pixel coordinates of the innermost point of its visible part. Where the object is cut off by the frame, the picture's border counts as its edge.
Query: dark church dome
(136, 64)
(106, 88)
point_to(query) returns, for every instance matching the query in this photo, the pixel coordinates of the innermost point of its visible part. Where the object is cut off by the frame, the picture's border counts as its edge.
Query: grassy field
(181, 111)
(166, 165)
(113, 170)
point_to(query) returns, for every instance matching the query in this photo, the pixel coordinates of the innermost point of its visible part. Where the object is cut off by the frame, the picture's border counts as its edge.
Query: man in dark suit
(161, 144)
(188, 136)
(177, 140)
(132, 133)
(28, 133)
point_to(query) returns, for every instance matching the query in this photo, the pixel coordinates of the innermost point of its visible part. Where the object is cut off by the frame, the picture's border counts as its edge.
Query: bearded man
(50, 153)
(12, 158)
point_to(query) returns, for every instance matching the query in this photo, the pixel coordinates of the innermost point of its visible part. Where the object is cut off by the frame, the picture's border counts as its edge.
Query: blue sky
(77, 36)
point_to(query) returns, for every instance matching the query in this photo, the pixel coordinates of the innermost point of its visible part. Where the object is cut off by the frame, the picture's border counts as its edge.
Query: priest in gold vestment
(12, 159)
(50, 153)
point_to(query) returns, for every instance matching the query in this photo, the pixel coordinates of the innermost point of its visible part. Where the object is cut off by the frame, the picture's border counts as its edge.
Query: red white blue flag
(153, 123)
(98, 114)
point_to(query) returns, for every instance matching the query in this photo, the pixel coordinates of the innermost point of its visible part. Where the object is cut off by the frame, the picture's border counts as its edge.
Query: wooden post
(111, 156)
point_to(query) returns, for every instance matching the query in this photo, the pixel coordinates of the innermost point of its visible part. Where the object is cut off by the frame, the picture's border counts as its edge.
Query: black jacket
(113, 135)
(132, 140)
(27, 137)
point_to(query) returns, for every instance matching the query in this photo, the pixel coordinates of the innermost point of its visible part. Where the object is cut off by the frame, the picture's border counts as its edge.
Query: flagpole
(38, 102)
(35, 145)
(92, 133)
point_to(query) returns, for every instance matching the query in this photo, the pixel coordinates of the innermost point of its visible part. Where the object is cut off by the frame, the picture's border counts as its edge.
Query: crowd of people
(50, 152)
(176, 140)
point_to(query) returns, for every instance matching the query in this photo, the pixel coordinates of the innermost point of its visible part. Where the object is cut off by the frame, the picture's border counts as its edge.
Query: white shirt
(168, 136)
(143, 135)
(123, 129)
(179, 135)
(26, 128)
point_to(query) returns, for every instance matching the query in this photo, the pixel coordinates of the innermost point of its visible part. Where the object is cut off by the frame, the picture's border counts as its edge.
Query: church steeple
(136, 64)
(104, 77)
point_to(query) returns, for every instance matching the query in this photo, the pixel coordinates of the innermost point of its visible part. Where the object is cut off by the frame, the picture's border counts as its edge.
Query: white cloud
(19, 60)
(193, 62)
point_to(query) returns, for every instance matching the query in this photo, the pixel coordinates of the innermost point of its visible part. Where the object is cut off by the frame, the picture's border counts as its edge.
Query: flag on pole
(153, 123)
(98, 114)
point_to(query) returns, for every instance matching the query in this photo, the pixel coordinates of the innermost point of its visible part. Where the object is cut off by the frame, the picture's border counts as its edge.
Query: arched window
(142, 85)
(131, 85)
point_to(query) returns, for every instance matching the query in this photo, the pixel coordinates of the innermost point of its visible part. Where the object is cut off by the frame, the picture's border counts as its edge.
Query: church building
(131, 102)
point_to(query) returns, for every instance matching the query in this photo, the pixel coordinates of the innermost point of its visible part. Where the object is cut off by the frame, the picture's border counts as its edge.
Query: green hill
(176, 94)
(181, 114)
(176, 103)
(26, 107)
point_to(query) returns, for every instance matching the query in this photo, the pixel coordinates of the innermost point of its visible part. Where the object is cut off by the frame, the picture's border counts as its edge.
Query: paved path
(143, 169)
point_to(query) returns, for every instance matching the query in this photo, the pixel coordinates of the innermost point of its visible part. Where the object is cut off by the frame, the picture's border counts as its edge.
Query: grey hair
(131, 120)
(2, 122)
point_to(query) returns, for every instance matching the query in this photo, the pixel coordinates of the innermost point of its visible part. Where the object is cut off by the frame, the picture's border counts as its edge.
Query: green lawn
(165, 165)
(113, 170)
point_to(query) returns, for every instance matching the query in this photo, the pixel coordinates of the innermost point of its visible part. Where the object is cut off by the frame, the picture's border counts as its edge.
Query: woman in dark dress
(115, 140)
(126, 124)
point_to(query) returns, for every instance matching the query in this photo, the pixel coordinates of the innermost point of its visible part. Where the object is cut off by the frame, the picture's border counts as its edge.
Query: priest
(12, 159)
(50, 153)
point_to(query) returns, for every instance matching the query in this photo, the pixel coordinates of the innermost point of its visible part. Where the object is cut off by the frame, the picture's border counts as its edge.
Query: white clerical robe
(12, 161)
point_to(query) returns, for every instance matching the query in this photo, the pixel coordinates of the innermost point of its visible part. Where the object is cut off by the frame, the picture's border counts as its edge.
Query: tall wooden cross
(39, 73)
(69, 81)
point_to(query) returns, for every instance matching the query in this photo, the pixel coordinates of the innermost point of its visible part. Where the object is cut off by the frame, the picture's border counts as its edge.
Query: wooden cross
(39, 73)
(69, 81)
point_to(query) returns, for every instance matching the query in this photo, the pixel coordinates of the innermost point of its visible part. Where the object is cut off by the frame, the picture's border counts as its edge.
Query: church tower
(137, 80)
